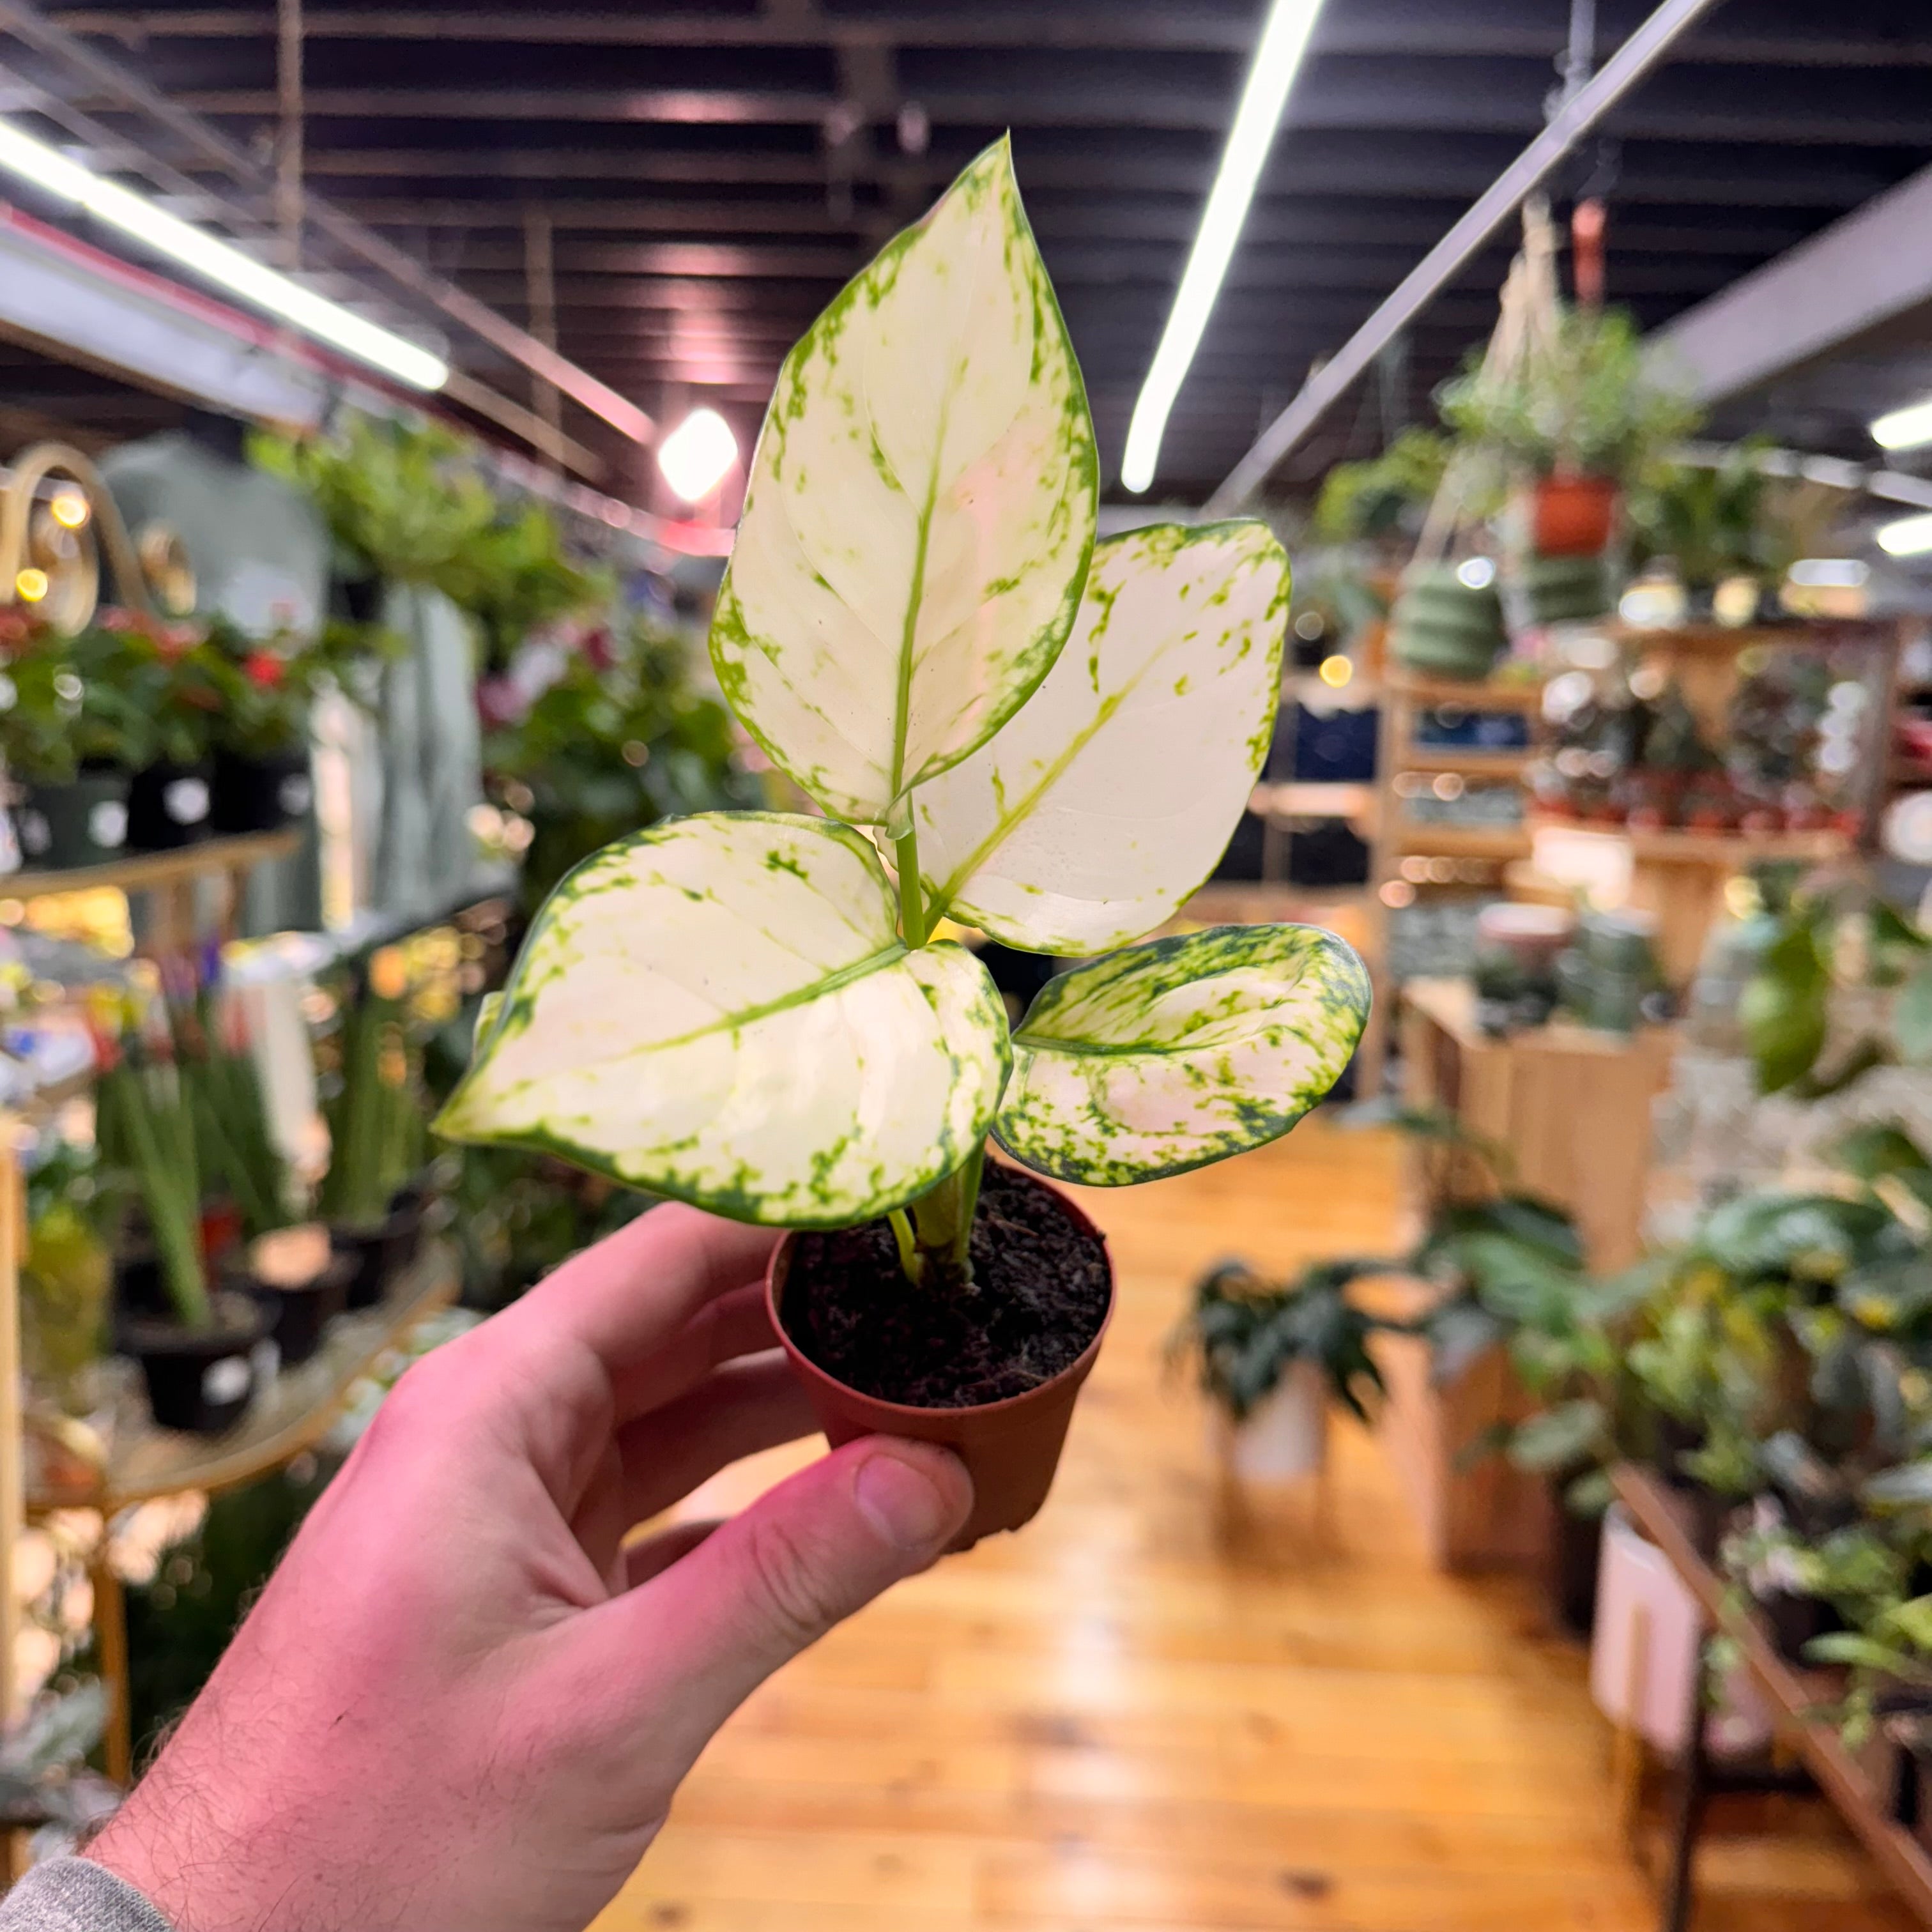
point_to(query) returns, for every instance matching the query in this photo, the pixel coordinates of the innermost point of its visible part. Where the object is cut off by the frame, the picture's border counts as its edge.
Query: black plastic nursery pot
(299, 1314)
(1575, 1557)
(861, 1339)
(251, 794)
(201, 1380)
(377, 1254)
(82, 822)
(168, 807)
(1792, 1621)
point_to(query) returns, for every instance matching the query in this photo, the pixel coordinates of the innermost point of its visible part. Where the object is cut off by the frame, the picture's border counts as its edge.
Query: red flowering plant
(267, 686)
(168, 671)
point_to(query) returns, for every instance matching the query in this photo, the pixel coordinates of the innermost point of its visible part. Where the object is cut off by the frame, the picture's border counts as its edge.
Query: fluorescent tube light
(1277, 59)
(1910, 536)
(1907, 428)
(219, 262)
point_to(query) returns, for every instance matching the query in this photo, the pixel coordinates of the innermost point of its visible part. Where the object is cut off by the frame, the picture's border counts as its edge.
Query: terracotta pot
(1571, 516)
(1011, 1449)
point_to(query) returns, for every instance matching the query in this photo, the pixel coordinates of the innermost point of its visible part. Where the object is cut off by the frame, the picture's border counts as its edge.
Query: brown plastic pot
(1011, 1449)
(1572, 516)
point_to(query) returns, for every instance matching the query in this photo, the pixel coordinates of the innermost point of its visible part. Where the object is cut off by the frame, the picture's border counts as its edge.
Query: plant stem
(944, 1219)
(912, 908)
(911, 1260)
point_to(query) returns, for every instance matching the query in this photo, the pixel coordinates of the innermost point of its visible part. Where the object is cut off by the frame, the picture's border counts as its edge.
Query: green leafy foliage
(1243, 1334)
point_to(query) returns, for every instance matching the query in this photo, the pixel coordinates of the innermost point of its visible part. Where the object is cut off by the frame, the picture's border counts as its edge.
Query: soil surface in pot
(1038, 1296)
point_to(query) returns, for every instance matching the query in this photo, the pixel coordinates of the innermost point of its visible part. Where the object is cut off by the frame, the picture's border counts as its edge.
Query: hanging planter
(1444, 625)
(1572, 515)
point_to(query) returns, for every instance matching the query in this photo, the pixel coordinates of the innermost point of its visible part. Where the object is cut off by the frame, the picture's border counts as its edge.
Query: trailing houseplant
(1576, 416)
(1270, 1357)
(1045, 737)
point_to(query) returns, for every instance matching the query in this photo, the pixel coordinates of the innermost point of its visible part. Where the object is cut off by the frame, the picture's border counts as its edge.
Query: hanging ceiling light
(696, 455)
(218, 261)
(1277, 59)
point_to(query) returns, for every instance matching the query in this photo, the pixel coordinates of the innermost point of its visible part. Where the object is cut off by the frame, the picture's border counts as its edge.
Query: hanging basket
(1444, 628)
(1573, 516)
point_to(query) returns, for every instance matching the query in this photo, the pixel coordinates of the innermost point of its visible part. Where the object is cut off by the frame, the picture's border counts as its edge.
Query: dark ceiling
(710, 175)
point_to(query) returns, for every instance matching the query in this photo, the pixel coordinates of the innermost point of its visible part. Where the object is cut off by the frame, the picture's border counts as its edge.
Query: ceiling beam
(1470, 27)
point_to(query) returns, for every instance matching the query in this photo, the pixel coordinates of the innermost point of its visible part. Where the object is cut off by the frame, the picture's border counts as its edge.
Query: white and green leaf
(919, 511)
(720, 1009)
(1098, 807)
(1170, 1054)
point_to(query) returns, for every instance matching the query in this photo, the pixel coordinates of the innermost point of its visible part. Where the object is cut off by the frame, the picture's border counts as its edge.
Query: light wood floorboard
(1160, 1707)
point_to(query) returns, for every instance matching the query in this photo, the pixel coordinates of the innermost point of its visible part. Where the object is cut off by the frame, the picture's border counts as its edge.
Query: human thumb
(774, 1579)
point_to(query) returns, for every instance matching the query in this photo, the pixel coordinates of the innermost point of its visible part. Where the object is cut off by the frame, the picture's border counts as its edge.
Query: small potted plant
(1572, 417)
(66, 1277)
(168, 672)
(374, 1114)
(1007, 725)
(200, 1360)
(70, 733)
(260, 779)
(1271, 1358)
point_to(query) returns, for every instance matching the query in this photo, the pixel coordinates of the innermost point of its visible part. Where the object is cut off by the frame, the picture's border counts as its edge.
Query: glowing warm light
(1476, 573)
(218, 261)
(1277, 59)
(1335, 672)
(696, 455)
(69, 509)
(31, 585)
(1828, 573)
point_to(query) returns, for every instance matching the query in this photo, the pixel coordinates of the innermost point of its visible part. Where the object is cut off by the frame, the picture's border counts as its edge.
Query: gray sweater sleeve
(75, 1895)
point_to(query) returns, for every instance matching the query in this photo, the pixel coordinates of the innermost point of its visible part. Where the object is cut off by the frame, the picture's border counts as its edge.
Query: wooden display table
(1794, 1695)
(1569, 1106)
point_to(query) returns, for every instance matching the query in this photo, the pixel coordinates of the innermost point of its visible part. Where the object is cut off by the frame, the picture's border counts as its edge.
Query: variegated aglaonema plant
(1009, 726)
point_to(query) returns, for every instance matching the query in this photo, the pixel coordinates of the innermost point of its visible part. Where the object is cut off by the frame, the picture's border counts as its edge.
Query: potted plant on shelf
(71, 733)
(66, 1277)
(1271, 1358)
(1572, 417)
(260, 777)
(1008, 725)
(375, 1117)
(200, 1360)
(168, 672)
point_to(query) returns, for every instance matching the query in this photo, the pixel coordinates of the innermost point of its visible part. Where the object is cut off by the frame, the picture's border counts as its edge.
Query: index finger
(638, 1288)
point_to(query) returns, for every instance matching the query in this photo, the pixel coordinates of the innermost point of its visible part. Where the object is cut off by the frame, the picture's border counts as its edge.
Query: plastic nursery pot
(167, 807)
(202, 1380)
(1011, 1449)
(294, 1276)
(378, 1253)
(82, 823)
(259, 794)
(1572, 516)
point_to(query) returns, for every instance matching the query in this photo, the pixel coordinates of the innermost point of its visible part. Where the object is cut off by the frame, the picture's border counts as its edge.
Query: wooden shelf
(1704, 639)
(1795, 1694)
(1727, 850)
(142, 871)
(1473, 694)
(292, 1416)
(1470, 761)
(1412, 837)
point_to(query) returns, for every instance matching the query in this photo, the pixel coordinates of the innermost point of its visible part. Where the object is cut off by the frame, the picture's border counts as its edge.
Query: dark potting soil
(1038, 1297)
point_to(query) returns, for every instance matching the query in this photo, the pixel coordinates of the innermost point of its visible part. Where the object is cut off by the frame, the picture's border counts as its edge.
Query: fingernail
(901, 1502)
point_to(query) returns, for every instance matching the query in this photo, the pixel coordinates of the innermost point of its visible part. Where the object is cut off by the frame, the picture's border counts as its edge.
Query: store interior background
(1633, 829)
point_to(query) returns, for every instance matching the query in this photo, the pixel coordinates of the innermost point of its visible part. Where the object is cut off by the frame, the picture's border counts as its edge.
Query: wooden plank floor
(1158, 1709)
